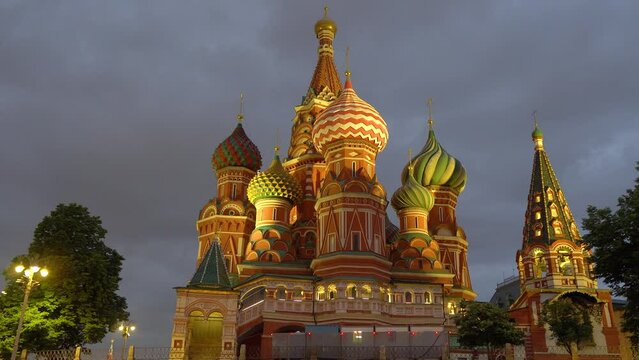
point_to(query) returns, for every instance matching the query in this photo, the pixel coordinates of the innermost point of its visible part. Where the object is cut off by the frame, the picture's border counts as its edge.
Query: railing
(586, 350)
(358, 352)
(63, 354)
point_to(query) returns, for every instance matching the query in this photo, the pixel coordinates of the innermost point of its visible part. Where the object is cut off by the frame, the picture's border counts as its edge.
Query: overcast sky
(118, 105)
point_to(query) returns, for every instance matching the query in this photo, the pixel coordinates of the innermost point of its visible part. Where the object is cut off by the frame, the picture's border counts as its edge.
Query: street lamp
(28, 273)
(125, 328)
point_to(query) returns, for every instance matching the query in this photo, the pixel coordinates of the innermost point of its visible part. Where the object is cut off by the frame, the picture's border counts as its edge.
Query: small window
(550, 195)
(416, 222)
(298, 294)
(337, 168)
(441, 214)
(227, 262)
(537, 198)
(353, 171)
(234, 191)
(537, 215)
(321, 293)
(537, 232)
(366, 292)
(280, 293)
(356, 241)
(275, 214)
(553, 211)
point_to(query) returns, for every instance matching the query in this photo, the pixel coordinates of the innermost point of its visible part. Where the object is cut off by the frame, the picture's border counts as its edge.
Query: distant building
(506, 293)
(552, 263)
(303, 253)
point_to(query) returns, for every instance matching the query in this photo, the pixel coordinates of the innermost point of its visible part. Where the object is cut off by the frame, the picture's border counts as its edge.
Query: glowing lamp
(19, 268)
(44, 272)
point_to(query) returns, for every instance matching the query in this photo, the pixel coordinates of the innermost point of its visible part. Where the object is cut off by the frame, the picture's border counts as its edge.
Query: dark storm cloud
(118, 106)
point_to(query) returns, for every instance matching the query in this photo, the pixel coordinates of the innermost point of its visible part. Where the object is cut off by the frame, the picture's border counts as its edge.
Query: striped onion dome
(434, 166)
(349, 117)
(412, 195)
(274, 182)
(237, 150)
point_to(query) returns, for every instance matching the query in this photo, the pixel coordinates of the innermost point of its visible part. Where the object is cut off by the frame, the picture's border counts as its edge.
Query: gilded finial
(326, 11)
(277, 142)
(410, 161)
(430, 113)
(537, 134)
(534, 115)
(240, 115)
(348, 64)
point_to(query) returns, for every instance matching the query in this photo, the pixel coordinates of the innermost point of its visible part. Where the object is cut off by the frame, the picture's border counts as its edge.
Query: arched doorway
(205, 335)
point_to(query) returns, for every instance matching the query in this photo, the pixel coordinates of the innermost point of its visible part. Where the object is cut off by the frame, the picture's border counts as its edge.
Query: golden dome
(325, 23)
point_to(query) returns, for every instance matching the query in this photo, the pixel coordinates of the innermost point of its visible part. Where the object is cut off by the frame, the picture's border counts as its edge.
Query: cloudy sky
(118, 105)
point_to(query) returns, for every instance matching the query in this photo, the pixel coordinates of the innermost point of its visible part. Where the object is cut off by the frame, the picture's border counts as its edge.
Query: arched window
(356, 238)
(332, 292)
(280, 293)
(233, 191)
(366, 292)
(408, 297)
(452, 308)
(539, 263)
(321, 293)
(298, 294)
(351, 292)
(564, 260)
(428, 298)
(353, 170)
(553, 211)
(550, 195)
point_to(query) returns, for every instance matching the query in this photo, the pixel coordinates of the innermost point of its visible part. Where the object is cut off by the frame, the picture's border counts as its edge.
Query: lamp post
(28, 273)
(125, 328)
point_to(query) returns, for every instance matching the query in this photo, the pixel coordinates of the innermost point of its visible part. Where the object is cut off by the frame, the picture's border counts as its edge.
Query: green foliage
(78, 302)
(614, 237)
(568, 322)
(484, 324)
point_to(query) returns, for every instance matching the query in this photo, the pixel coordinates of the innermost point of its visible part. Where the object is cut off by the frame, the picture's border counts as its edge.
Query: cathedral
(303, 253)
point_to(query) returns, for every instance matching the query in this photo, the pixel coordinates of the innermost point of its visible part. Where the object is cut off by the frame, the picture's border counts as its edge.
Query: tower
(351, 204)
(230, 214)
(445, 177)
(304, 162)
(552, 264)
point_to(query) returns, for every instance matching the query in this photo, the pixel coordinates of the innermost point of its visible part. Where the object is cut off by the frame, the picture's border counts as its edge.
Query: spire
(240, 115)
(325, 74)
(548, 217)
(347, 73)
(429, 103)
(212, 271)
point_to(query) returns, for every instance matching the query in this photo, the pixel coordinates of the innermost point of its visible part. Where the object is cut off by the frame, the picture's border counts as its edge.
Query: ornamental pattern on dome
(416, 252)
(237, 150)
(349, 117)
(434, 166)
(274, 182)
(412, 195)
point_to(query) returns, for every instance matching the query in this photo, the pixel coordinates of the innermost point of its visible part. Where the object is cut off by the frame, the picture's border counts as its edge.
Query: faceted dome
(349, 117)
(274, 182)
(412, 195)
(434, 166)
(237, 150)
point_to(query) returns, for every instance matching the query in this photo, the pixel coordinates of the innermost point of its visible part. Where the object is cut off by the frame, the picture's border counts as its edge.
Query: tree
(614, 237)
(78, 302)
(484, 324)
(569, 323)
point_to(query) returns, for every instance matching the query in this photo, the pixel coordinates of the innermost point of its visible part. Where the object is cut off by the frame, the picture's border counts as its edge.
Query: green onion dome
(537, 133)
(237, 150)
(412, 195)
(274, 182)
(434, 166)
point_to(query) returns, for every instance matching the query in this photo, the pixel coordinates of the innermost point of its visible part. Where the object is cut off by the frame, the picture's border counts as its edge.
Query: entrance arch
(205, 335)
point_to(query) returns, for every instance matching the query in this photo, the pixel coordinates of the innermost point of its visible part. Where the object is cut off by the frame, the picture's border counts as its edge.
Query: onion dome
(274, 182)
(434, 166)
(237, 150)
(349, 117)
(412, 195)
(325, 23)
(537, 133)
